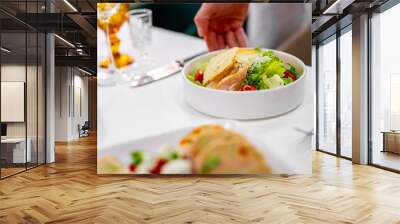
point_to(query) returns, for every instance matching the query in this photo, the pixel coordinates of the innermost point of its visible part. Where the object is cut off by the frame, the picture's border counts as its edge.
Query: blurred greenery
(176, 17)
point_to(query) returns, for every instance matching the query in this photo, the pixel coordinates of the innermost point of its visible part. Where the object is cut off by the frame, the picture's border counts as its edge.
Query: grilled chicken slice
(219, 65)
(233, 80)
(214, 83)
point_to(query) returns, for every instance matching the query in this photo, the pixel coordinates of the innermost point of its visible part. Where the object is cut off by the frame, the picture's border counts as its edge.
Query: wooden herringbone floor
(69, 191)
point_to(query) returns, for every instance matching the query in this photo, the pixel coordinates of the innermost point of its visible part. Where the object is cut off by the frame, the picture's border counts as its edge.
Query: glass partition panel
(385, 89)
(14, 153)
(23, 88)
(31, 99)
(41, 107)
(327, 96)
(32, 86)
(346, 94)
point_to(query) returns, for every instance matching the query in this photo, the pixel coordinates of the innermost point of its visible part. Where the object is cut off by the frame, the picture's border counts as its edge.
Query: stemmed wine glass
(112, 16)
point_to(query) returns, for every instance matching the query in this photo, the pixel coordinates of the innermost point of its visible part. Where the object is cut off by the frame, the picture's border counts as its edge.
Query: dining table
(127, 113)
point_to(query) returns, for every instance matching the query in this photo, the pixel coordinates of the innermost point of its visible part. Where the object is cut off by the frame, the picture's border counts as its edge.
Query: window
(346, 75)
(394, 117)
(334, 106)
(22, 79)
(327, 96)
(385, 89)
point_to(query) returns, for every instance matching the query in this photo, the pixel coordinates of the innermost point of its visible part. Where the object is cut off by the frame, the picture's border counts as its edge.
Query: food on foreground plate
(207, 149)
(110, 165)
(216, 150)
(170, 160)
(244, 69)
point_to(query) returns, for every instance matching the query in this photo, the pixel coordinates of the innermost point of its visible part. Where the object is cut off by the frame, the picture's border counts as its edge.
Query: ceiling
(75, 21)
(72, 20)
(332, 15)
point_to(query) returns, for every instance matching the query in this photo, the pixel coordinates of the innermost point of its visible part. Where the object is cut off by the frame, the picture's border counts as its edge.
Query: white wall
(62, 81)
(34, 125)
(11, 73)
(291, 34)
(70, 83)
(79, 117)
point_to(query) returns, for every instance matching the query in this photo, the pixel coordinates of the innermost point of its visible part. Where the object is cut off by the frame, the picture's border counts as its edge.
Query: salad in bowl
(244, 83)
(244, 69)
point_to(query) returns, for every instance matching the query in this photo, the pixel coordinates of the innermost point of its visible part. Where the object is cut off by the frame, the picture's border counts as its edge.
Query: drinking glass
(112, 17)
(140, 27)
(104, 13)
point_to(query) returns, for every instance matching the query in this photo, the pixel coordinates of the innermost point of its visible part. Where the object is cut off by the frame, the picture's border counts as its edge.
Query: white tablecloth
(126, 113)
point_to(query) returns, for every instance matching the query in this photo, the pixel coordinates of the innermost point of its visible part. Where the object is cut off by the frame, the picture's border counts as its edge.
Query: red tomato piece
(157, 168)
(288, 74)
(247, 88)
(132, 167)
(199, 75)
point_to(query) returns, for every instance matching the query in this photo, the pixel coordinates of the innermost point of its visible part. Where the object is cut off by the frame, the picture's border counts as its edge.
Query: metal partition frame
(43, 53)
(338, 34)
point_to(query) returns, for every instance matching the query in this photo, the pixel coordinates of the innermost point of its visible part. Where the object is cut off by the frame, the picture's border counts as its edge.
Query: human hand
(221, 24)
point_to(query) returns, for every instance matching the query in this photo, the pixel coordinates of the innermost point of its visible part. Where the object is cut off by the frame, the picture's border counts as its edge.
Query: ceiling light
(328, 10)
(70, 5)
(337, 7)
(5, 50)
(65, 41)
(84, 71)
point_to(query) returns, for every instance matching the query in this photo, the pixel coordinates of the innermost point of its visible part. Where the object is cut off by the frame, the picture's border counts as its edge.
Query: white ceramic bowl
(245, 104)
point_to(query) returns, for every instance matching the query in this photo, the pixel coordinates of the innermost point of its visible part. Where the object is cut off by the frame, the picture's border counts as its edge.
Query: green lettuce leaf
(137, 157)
(265, 66)
(275, 68)
(287, 80)
(210, 163)
(273, 82)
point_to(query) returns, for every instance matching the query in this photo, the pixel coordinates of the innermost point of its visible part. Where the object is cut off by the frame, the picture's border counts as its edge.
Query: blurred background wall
(281, 26)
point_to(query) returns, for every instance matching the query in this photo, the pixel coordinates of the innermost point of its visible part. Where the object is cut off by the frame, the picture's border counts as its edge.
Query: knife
(162, 72)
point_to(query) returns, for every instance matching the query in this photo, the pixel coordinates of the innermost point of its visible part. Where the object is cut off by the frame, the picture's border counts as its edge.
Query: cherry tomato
(199, 75)
(157, 168)
(132, 167)
(247, 88)
(288, 74)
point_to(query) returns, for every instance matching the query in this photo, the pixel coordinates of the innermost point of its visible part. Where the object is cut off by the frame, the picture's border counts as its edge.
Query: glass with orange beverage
(116, 67)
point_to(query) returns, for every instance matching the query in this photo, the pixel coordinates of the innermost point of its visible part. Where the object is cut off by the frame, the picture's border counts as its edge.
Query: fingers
(214, 41)
(231, 39)
(202, 25)
(221, 41)
(221, 25)
(202, 20)
(236, 38)
(211, 40)
(241, 37)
